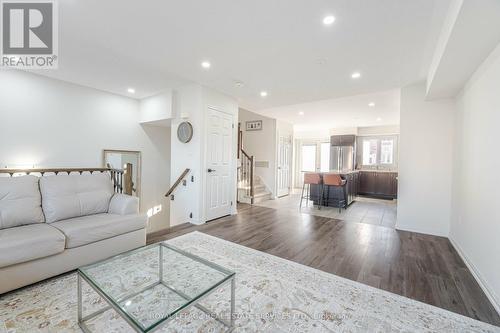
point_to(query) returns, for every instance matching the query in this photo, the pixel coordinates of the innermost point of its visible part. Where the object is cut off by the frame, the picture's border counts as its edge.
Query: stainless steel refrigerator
(342, 153)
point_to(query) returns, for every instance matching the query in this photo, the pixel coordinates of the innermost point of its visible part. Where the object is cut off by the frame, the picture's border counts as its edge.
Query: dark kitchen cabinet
(343, 140)
(352, 186)
(367, 182)
(383, 183)
(379, 184)
(336, 140)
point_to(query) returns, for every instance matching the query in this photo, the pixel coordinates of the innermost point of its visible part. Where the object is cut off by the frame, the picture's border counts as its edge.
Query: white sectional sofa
(54, 224)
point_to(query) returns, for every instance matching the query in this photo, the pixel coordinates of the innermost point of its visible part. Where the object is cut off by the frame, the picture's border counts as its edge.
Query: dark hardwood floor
(422, 267)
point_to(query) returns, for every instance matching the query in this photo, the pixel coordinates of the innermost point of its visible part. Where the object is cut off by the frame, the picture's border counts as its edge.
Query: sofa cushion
(93, 228)
(20, 201)
(122, 204)
(68, 196)
(29, 242)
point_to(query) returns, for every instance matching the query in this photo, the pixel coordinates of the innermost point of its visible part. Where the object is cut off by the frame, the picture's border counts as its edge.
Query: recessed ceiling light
(328, 20)
(301, 113)
(371, 104)
(238, 84)
(356, 75)
(131, 90)
(263, 93)
(379, 119)
(206, 65)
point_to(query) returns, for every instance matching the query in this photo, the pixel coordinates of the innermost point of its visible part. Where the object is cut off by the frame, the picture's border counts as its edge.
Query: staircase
(261, 193)
(251, 189)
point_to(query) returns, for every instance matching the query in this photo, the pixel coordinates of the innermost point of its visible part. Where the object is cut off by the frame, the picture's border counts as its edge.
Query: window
(386, 151)
(377, 150)
(370, 152)
(309, 158)
(325, 157)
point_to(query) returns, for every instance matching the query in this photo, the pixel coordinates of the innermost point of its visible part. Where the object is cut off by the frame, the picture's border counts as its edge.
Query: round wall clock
(185, 132)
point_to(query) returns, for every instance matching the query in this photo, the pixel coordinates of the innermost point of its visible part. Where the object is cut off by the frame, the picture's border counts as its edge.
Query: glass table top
(154, 283)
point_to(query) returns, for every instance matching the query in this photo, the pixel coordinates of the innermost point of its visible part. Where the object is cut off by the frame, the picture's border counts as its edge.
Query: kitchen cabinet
(343, 140)
(378, 184)
(367, 182)
(352, 186)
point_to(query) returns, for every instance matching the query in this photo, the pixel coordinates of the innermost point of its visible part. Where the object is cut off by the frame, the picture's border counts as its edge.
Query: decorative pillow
(20, 201)
(65, 197)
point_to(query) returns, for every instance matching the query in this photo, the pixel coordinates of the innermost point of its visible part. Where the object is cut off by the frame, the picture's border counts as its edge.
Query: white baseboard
(495, 301)
(419, 231)
(196, 221)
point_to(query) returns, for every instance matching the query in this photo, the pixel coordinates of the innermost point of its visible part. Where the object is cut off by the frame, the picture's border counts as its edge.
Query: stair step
(260, 197)
(261, 194)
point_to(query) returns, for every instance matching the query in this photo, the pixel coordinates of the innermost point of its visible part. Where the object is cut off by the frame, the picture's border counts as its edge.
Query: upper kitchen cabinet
(343, 140)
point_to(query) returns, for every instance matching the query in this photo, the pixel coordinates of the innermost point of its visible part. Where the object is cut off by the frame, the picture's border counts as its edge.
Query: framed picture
(254, 125)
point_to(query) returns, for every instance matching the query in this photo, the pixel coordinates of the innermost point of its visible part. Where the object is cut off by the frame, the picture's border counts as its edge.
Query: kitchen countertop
(382, 171)
(348, 172)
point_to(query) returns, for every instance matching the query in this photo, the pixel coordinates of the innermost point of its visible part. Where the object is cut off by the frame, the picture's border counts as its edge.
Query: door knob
(211, 170)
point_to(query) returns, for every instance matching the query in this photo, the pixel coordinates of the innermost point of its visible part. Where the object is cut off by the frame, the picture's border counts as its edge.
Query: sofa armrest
(122, 204)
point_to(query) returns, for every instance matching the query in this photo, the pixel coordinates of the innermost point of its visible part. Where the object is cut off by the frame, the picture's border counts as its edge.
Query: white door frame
(298, 157)
(232, 163)
(289, 138)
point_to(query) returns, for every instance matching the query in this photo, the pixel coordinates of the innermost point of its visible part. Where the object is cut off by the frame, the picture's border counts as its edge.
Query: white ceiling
(280, 46)
(343, 112)
(470, 33)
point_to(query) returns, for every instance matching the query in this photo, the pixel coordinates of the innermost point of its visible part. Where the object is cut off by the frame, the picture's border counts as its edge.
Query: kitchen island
(381, 184)
(334, 194)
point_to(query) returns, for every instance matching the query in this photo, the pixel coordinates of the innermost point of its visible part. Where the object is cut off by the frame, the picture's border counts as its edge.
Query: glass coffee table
(149, 286)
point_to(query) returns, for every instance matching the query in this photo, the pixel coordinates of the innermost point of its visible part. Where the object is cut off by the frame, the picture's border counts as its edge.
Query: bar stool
(335, 180)
(312, 179)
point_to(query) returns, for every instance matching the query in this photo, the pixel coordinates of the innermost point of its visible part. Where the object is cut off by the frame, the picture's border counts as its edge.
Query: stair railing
(246, 170)
(177, 182)
(247, 175)
(115, 174)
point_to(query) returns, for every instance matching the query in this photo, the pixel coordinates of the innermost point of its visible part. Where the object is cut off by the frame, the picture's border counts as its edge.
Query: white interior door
(219, 169)
(284, 160)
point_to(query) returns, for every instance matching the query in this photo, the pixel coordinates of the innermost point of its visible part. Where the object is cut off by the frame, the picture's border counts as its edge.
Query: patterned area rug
(272, 295)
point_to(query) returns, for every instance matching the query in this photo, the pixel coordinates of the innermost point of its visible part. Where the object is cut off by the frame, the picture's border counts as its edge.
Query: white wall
(425, 162)
(191, 102)
(50, 123)
(378, 130)
(262, 145)
(475, 227)
(368, 130)
(156, 109)
(311, 135)
(187, 100)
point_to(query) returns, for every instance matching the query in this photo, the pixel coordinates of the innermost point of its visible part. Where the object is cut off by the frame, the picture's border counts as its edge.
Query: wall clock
(185, 132)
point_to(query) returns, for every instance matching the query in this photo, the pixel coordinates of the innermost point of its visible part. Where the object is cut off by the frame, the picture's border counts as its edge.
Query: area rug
(272, 295)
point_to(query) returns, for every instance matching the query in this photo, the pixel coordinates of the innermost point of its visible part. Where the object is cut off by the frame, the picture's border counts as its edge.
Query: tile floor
(363, 210)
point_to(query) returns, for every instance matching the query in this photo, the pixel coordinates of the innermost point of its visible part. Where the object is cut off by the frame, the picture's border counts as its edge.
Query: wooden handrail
(177, 182)
(244, 153)
(240, 139)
